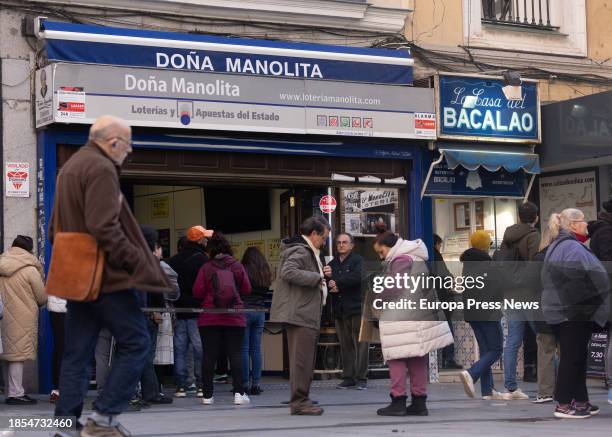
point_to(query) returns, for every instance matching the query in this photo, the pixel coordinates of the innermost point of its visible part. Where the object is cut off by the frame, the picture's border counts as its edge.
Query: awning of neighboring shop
(577, 133)
(504, 172)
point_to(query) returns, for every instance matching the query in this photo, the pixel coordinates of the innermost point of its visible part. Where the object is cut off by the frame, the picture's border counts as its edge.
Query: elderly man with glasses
(344, 282)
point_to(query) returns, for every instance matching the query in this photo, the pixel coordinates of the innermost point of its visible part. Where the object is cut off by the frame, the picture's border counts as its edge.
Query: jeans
(148, 381)
(490, 339)
(120, 313)
(251, 348)
(232, 338)
(186, 335)
(516, 333)
(103, 356)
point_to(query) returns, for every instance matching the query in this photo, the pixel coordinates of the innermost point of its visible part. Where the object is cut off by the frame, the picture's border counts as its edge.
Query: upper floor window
(522, 13)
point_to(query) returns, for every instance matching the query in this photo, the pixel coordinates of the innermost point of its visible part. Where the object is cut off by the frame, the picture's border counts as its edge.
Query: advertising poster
(569, 190)
(17, 179)
(367, 209)
(237, 249)
(259, 244)
(273, 254)
(160, 207)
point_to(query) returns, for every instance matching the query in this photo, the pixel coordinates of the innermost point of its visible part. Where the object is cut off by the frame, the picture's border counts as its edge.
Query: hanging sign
(17, 181)
(475, 108)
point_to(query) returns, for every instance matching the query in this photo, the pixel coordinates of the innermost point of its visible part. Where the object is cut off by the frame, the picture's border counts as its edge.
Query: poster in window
(160, 207)
(569, 190)
(462, 215)
(367, 209)
(273, 254)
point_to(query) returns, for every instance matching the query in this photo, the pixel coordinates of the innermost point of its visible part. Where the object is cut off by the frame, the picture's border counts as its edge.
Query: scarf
(317, 254)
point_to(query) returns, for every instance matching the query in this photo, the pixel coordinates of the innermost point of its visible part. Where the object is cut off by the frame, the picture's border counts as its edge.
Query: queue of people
(571, 281)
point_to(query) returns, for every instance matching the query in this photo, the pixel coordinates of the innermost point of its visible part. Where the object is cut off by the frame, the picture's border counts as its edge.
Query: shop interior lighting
(369, 180)
(397, 181)
(342, 178)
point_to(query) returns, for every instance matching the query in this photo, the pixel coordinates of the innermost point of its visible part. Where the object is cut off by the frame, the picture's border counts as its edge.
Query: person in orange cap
(187, 264)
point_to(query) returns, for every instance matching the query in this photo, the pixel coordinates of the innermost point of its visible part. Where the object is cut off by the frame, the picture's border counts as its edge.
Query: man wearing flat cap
(187, 264)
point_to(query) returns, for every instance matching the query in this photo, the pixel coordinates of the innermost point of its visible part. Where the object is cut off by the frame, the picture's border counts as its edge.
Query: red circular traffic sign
(328, 204)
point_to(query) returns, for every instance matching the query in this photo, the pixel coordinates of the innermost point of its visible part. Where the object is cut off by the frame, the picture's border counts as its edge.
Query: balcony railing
(521, 13)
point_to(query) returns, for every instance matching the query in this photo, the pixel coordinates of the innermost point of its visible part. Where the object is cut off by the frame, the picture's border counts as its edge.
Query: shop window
(455, 219)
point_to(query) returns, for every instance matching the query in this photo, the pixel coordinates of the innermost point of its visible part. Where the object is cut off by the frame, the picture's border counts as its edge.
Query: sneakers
(515, 395)
(160, 400)
(494, 396)
(54, 396)
(468, 383)
(180, 393)
(191, 390)
(21, 400)
(222, 378)
(542, 400)
(361, 385)
(208, 401)
(593, 410)
(346, 383)
(200, 393)
(241, 399)
(92, 429)
(569, 412)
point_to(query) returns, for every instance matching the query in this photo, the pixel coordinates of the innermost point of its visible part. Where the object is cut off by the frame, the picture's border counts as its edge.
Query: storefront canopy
(492, 160)
(502, 174)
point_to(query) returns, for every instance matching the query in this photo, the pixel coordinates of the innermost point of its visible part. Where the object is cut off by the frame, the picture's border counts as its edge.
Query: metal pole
(431, 167)
(329, 219)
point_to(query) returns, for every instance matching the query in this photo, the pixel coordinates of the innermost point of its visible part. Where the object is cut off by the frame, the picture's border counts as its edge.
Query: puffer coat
(22, 292)
(405, 339)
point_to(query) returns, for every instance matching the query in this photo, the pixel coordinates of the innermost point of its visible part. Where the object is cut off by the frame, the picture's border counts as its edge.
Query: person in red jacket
(219, 285)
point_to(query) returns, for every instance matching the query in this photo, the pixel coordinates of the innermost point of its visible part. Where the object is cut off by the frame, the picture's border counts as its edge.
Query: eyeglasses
(127, 142)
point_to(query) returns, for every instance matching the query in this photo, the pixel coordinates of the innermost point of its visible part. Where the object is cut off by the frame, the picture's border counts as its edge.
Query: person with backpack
(520, 244)
(485, 323)
(601, 244)
(575, 294)
(187, 263)
(260, 276)
(219, 285)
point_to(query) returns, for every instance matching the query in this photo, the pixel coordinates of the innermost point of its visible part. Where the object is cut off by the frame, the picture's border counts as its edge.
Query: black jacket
(257, 297)
(439, 269)
(347, 274)
(478, 263)
(533, 279)
(187, 264)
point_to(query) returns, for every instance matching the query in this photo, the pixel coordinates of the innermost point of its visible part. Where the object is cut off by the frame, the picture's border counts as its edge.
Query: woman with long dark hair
(220, 284)
(260, 276)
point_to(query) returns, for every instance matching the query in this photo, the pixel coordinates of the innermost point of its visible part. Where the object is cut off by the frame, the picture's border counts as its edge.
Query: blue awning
(492, 160)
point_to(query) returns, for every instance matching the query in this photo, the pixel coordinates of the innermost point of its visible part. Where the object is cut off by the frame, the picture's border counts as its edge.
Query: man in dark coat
(525, 240)
(88, 199)
(187, 264)
(344, 282)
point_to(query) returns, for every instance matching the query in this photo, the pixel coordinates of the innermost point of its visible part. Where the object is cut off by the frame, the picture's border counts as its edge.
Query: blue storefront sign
(475, 108)
(478, 182)
(69, 42)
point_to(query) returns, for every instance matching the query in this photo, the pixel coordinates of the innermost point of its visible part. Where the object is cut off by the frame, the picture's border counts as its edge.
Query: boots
(417, 407)
(397, 407)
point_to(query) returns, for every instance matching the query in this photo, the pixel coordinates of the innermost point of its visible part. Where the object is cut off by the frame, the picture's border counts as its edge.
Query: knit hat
(150, 235)
(481, 240)
(196, 233)
(607, 206)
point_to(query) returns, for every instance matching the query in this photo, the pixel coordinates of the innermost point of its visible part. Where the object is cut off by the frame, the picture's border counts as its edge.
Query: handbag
(77, 263)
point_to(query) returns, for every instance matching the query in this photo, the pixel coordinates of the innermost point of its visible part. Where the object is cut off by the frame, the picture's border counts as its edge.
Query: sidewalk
(353, 413)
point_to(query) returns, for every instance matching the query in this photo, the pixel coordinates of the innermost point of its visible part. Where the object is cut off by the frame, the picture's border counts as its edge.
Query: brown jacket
(89, 199)
(22, 292)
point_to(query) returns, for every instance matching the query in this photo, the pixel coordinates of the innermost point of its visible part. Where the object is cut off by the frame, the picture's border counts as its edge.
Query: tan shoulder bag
(77, 263)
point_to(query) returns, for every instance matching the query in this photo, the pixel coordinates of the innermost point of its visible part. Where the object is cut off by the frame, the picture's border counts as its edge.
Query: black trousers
(573, 349)
(57, 326)
(212, 338)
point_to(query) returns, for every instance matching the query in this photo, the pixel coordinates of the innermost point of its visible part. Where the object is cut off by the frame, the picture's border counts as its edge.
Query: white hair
(556, 222)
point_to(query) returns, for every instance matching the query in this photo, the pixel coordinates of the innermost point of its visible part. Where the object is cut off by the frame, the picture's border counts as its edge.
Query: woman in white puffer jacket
(57, 314)
(408, 336)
